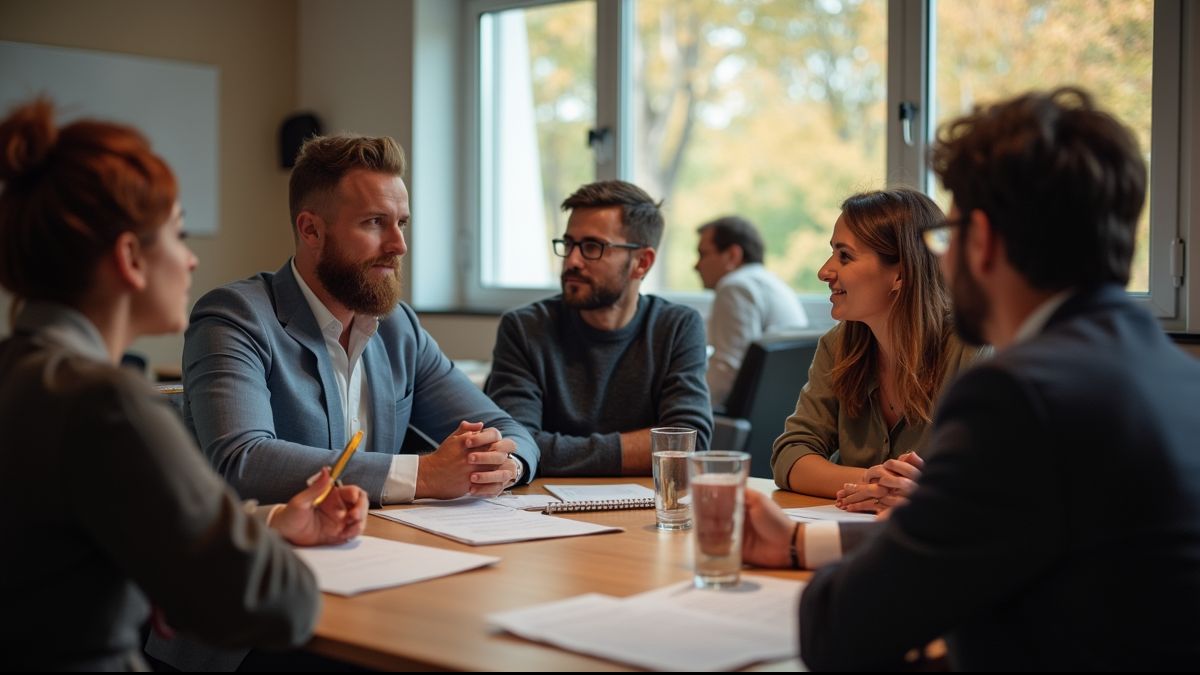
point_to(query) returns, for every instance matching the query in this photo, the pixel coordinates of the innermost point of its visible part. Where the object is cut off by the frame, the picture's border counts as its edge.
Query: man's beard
(351, 283)
(971, 305)
(602, 296)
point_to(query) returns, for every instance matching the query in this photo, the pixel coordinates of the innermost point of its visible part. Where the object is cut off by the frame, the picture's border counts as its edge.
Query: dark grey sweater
(577, 388)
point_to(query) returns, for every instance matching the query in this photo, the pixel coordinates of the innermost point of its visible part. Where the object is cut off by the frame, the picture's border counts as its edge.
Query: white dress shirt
(750, 303)
(354, 390)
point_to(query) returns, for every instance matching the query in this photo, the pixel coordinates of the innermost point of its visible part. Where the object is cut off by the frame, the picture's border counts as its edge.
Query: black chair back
(764, 393)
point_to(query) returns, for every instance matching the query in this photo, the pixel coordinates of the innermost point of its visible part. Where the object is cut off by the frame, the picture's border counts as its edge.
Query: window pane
(990, 49)
(537, 101)
(773, 110)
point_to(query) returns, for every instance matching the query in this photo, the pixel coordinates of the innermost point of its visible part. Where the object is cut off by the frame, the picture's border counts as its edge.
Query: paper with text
(523, 502)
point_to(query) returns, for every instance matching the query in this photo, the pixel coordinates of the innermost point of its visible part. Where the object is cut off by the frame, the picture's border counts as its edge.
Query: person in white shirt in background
(750, 300)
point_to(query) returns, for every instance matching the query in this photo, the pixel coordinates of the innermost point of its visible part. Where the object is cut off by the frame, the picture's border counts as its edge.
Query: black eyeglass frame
(563, 247)
(937, 237)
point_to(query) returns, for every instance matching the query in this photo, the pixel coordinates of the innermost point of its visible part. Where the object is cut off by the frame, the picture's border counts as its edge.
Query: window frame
(911, 40)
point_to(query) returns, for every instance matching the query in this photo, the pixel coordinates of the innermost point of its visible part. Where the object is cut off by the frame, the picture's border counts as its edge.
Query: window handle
(600, 141)
(907, 115)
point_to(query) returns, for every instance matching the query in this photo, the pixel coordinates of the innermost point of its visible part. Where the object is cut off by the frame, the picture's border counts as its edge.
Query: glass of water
(669, 450)
(718, 483)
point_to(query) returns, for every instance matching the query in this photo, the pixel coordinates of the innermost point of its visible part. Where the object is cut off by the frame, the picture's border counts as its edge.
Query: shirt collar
(1036, 321)
(64, 326)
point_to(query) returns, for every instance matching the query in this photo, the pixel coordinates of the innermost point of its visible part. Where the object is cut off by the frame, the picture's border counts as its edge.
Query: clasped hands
(473, 460)
(883, 486)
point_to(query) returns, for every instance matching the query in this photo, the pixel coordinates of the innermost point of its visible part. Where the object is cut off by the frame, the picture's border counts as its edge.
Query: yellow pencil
(340, 465)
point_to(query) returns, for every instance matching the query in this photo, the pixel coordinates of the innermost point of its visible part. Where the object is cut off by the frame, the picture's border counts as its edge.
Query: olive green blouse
(818, 427)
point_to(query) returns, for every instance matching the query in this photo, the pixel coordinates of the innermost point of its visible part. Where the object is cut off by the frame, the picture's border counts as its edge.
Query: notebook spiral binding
(600, 505)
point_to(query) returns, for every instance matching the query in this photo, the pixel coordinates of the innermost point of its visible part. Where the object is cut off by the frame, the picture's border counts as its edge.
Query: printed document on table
(827, 512)
(523, 502)
(710, 630)
(480, 523)
(369, 563)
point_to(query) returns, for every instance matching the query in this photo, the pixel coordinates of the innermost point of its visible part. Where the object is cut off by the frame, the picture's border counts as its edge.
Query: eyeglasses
(590, 249)
(937, 237)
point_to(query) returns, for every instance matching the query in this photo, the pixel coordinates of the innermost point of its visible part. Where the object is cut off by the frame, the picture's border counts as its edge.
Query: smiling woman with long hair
(875, 380)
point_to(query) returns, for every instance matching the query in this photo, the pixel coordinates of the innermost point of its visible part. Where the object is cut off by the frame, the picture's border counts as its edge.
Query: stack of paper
(673, 628)
(368, 563)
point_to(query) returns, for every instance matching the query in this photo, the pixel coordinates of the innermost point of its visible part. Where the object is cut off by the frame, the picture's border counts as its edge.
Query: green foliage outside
(776, 109)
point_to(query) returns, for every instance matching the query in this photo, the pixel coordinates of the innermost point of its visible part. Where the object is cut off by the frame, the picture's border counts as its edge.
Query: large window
(989, 50)
(537, 85)
(774, 111)
(777, 110)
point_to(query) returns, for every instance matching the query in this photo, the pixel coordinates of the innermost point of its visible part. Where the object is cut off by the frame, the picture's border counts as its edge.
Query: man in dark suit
(1057, 521)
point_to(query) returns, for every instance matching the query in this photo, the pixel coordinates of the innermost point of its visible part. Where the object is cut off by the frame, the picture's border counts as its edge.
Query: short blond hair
(324, 160)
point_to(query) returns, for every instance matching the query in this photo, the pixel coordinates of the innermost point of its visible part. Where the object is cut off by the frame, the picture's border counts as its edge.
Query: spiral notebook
(600, 497)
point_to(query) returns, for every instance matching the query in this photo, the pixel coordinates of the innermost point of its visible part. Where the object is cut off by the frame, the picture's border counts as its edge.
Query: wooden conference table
(440, 625)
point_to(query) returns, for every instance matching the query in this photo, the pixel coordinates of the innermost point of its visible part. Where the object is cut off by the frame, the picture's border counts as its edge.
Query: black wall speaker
(292, 134)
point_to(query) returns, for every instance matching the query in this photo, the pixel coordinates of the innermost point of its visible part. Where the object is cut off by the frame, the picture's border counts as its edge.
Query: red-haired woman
(108, 502)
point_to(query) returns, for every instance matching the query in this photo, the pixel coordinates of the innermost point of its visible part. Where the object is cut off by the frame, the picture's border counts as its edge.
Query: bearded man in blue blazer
(1056, 523)
(281, 369)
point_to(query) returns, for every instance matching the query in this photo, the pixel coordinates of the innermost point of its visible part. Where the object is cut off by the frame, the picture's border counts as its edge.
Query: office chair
(764, 393)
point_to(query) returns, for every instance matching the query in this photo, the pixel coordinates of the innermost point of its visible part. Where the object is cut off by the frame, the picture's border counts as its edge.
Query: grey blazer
(109, 507)
(261, 396)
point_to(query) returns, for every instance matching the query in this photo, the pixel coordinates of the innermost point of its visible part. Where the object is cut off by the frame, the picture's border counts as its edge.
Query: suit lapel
(298, 321)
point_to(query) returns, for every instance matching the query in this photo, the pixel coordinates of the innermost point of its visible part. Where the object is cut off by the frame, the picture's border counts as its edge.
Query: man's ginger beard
(352, 283)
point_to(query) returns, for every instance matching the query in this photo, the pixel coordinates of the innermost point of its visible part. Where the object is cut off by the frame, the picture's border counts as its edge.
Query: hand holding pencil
(325, 512)
(340, 466)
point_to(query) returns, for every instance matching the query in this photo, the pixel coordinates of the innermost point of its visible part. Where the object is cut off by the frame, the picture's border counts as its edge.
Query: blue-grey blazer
(261, 396)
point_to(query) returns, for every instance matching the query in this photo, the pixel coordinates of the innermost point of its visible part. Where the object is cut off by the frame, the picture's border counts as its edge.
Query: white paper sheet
(596, 493)
(828, 512)
(523, 502)
(480, 523)
(369, 563)
(672, 628)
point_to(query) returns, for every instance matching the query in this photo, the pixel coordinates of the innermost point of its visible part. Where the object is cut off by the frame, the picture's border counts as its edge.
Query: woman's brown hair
(890, 223)
(67, 194)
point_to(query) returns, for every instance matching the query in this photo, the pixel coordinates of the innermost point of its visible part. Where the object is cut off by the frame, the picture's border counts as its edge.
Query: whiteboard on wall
(173, 103)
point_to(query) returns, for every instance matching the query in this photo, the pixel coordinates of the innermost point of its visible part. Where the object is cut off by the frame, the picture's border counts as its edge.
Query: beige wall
(463, 336)
(354, 70)
(254, 46)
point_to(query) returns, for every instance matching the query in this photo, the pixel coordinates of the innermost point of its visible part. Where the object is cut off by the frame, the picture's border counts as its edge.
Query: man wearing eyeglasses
(588, 372)
(1056, 525)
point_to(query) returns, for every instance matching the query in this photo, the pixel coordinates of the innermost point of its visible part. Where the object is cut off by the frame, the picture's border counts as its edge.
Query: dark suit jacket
(1057, 524)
